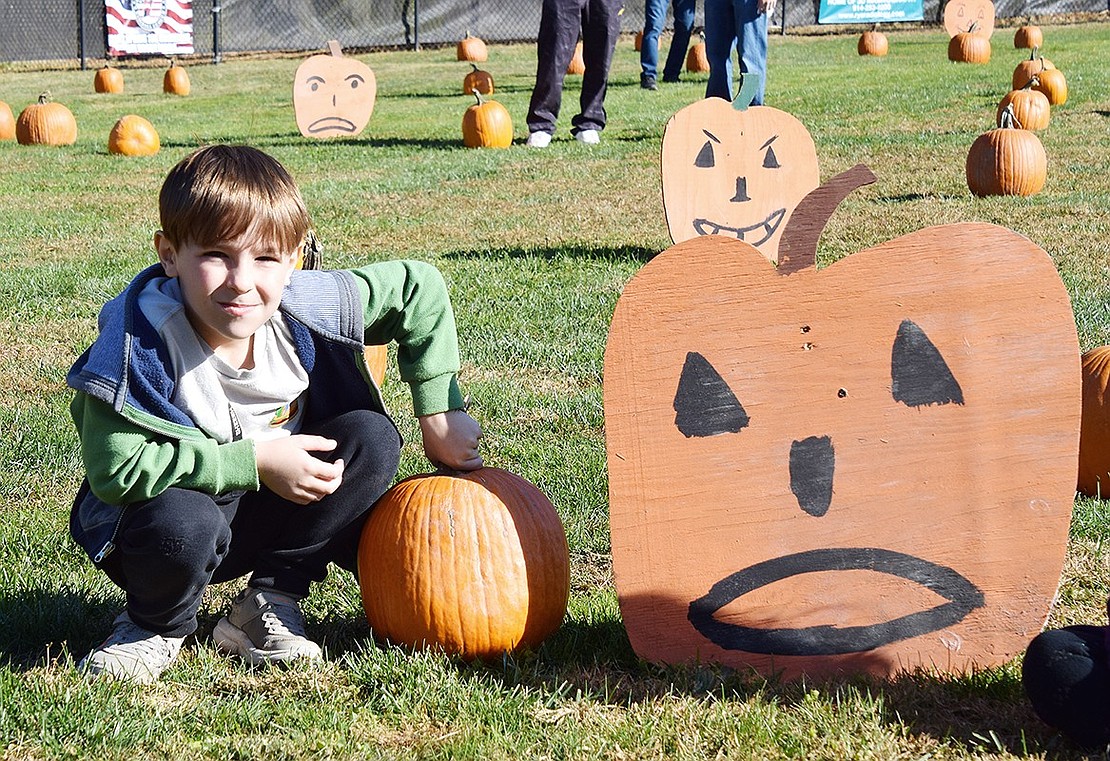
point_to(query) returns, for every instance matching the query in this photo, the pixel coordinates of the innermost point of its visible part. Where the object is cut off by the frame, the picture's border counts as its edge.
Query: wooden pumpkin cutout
(735, 171)
(333, 95)
(959, 15)
(864, 468)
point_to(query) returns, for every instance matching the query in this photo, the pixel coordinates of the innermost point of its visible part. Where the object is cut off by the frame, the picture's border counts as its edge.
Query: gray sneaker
(132, 653)
(265, 627)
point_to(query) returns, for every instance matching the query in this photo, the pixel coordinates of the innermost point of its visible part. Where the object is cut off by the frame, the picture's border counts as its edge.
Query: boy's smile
(230, 289)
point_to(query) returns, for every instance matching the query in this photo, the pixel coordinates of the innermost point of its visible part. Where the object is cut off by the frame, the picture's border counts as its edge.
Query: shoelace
(282, 620)
(138, 641)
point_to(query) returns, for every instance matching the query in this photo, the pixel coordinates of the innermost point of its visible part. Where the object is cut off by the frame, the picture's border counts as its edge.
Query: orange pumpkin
(1028, 36)
(176, 80)
(46, 123)
(108, 79)
(333, 95)
(969, 47)
(867, 467)
(471, 49)
(475, 564)
(735, 173)
(873, 42)
(133, 136)
(577, 65)
(1054, 85)
(487, 124)
(696, 60)
(7, 122)
(1030, 106)
(479, 80)
(1094, 431)
(1030, 67)
(1006, 161)
(959, 15)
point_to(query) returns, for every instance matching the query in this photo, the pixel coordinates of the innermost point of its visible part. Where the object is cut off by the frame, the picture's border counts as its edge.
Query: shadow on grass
(293, 139)
(39, 627)
(599, 253)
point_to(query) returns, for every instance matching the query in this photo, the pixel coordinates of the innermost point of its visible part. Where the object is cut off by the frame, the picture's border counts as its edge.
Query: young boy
(228, 422)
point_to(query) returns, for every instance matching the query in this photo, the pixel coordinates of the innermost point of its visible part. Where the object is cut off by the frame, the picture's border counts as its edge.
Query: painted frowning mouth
(331, 123)
(963, 597)
(766, 228)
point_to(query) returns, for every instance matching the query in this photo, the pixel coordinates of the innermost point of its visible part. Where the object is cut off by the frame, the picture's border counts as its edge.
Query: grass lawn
(536, 247)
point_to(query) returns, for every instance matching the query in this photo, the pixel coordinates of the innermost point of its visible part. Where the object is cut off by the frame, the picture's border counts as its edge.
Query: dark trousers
(561, 21)
(170, 548)
(1067, 678)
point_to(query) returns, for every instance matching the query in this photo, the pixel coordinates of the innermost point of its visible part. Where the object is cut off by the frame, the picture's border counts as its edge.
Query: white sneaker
(264, 626)
(588, 136)
(132, 653)
(539, 140)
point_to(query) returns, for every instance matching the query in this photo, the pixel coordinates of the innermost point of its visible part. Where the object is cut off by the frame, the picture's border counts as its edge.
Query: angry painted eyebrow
(770, 140)
(713, 137)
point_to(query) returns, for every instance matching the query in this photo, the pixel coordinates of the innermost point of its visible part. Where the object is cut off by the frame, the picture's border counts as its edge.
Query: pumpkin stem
(1008, 119)
(798, 245)
(1033, 52)
(44, 97)
(749, 84)
(1033, 82)
(477, 95)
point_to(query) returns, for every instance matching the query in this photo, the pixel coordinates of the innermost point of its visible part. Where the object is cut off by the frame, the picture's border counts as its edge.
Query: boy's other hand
(451, 440)
(288, 470)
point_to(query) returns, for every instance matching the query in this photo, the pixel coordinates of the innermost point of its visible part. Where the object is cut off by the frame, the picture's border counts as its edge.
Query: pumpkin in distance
(471, 49)
(1007, 161)
(478, 79)
(1028, 36)
(46, 123)
(970, 47)
(108, 79)
(873, 42)
(697, 62)
(176, 80)
(1094, 429)
(7, 122)
(487, 124)
(475, 564)
(1029, 68)
(133, 136)
(577, 65)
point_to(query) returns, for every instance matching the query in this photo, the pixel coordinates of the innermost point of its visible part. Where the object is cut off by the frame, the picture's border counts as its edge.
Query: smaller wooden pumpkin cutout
(333, 95)
(735, 170)
(959, 15)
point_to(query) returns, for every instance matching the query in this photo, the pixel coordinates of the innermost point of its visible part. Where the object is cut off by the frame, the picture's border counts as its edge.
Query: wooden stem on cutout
(798, 246)
(335, 49)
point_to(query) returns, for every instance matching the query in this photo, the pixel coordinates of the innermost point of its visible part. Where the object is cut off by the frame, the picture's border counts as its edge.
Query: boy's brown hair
(219, 192)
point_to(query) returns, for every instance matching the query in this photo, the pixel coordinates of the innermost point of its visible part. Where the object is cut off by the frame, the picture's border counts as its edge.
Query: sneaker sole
(234, 641)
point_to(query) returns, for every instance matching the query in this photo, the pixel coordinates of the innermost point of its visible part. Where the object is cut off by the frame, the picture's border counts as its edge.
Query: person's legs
(680, 44)
(560, 24)
(720, 39)
(751, 43)
(1067, 678)
(655, 13)
(601, 26)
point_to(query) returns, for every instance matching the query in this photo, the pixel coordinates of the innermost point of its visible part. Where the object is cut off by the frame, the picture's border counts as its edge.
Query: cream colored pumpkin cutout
(735, 171)
(333, 96)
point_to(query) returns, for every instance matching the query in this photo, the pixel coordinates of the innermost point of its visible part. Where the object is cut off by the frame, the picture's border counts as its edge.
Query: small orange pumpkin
(46, 123)
(176, 80)
(1094, 430)
(960, 14)
(873, 42)
(108, 79)
(475, 564)
(577, 65)
(479, 80)
(1031, 66)
(487, 124)
(7, 122)
(1031, 107)
(133, 136)
(970, 47)
(1006, 161)
(1028, 36)
(471, 49)
(1054, 85)
(696, 60)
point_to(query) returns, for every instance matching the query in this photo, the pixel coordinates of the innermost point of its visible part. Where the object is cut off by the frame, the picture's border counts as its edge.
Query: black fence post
(416, 24)
(81, 32)
(216, 10)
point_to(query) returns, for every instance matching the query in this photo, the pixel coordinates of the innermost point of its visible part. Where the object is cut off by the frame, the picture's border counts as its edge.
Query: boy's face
(230, 289)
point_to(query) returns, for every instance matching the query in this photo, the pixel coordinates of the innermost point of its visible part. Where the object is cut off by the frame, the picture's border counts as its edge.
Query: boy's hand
(289, 471)
(451, 440)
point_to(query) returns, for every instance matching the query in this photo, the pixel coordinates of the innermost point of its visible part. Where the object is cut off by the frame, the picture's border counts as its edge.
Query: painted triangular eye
(704, 405)
(770, 160)
(918, 373)
(705, 159)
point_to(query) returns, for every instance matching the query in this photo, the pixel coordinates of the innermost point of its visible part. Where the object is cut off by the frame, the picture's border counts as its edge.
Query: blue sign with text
(869, 11)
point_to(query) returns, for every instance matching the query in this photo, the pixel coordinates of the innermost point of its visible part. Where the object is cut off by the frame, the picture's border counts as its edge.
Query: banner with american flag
(160, 27)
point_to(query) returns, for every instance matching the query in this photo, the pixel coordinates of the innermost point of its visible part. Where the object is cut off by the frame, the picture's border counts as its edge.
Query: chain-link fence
(64, 30)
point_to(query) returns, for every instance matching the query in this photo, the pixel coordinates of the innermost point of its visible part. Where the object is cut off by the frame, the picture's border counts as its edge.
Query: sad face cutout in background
(333, 96)
(864, 468)
(735, 173)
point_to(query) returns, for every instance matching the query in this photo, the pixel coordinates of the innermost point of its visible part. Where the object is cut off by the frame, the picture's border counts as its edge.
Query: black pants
(561, 21)
(170, 548)
(1067, 678)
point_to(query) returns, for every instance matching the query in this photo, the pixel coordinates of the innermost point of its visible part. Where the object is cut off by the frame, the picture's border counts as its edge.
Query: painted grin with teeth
(766, 228)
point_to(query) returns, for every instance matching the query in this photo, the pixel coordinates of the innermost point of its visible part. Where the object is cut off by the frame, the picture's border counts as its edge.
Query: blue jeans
(739, 24)
(655, 14)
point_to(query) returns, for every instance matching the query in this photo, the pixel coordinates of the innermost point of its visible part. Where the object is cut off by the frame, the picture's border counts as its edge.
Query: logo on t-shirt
(284, 414)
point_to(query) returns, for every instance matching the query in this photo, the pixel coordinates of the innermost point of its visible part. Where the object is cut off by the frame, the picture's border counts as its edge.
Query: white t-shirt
(227, 403)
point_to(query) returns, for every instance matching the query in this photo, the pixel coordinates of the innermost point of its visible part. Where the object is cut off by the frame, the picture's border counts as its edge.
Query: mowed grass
(536, 246)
